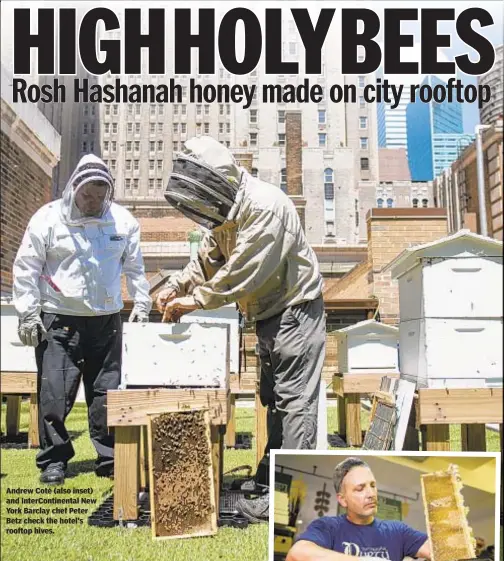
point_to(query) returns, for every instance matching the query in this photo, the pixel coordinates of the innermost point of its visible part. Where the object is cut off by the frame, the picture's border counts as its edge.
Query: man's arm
(304, 550)
(262, 244)
(28, 264)
(424, 552)
(199, 270)
(133, 267)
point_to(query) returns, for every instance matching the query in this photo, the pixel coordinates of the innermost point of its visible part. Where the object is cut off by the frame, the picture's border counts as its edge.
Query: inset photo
(438, 507)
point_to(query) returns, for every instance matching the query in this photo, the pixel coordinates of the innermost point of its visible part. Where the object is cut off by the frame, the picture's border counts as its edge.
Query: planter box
(175, 355)
(368, 346)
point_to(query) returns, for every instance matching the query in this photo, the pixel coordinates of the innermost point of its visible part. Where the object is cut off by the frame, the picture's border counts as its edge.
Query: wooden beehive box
(227, 315)
(446, 516)
(450, 298)
(175, 355)
(180, 472)
(368, 346)
(14, 357)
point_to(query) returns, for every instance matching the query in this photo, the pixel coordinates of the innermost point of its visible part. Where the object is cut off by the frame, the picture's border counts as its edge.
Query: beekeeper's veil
(204, 182)
(89, 169)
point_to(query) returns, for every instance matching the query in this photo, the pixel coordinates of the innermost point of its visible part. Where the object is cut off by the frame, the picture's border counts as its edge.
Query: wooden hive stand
(127, 413)
(472, 408)
(13, 385)
(349, 389)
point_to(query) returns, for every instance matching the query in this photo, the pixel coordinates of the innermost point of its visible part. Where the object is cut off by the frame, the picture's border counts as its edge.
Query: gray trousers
(76, 347)
(292, 352)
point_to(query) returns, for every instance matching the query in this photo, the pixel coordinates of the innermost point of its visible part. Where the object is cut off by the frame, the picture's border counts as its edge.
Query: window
(85, 128)
(362, 101)
(330, 228)
(253, 116)
(152, 128)
(183, 109)
(198, 129)
(390, 203)
(292, 48)
(93, 110)
(281, 139)
(113, 145)
(207, 128)
(138, 109)
(128, 165)
(254, 172)
(363, 123)
(107, 109)
(415, 203)
(152, 110)
(364, 164)
(151, 184)
(137, 128)
(207, 110)
(159, 183)
(128, 183)
(137, 146)
(129, 146)
(228, 144)
(283, 179)
(151, 165)
(356, 211)
(115, 109)
(221, 128)
(183, 127)
(253, 139)
(228, 109)
(361, 81)
(84, 146)
(228, 127)
(322, 139)
(114, 128)
(136, 165)
(281, 116)
(106, 145)
(113, 165)
(129, 127)
(160, 165)
(152, 146)
(107, 128)
(175, 128)
(322, 117)
(160, 128)
(328, 184)
(175, 146)
(175, 109)
(198, 109)
(160, 146)
(364, 142)
(160, 109)
(379, 203)
(425, 203)
(130, 109)
(86, 110)
(135, 184)
(91, 146)
(221, 109)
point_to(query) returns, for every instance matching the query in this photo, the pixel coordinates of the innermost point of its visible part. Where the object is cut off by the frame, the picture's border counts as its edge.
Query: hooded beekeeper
(255, 253)
(67, 294)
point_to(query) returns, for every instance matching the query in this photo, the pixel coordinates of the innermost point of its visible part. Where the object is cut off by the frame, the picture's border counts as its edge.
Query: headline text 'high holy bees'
(260, 41)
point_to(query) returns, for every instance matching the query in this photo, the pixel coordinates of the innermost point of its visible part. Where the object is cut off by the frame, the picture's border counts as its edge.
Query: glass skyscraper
(435, 135)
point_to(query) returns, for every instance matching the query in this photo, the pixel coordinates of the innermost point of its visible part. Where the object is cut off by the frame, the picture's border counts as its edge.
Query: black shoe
(254, 510)
(105, 471)
(54, 474)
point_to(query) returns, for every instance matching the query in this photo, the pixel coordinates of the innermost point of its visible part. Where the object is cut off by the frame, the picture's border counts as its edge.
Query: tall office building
(340, 148)
(435, 135)
(491, 111)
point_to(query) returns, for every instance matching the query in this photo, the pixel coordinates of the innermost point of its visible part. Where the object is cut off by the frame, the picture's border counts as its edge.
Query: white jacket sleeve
(133, 267)
(28, 264)
(262, 244)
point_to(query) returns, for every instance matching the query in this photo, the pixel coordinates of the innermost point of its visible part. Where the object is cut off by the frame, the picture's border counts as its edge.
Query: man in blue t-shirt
(357, 533)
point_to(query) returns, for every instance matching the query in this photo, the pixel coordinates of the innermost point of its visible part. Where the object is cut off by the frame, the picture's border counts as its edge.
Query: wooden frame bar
(13, 384)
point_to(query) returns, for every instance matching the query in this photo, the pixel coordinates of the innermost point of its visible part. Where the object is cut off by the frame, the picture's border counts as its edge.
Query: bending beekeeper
(255, 253)
(67, 293)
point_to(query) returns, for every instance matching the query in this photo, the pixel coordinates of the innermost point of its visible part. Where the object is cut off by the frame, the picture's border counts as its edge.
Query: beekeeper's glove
(31, 330)
(139, 314)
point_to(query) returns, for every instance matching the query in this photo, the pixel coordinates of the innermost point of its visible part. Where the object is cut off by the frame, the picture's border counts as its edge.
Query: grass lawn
(84, 543)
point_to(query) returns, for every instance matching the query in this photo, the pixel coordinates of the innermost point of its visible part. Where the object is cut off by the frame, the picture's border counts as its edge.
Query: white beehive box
(368, 346)
(450, 298)
(459, 276)
(175, 354)
(15, 357)
(226, 315)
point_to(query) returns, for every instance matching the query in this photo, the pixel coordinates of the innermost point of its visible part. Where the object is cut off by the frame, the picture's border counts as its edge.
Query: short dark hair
(343, 468)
